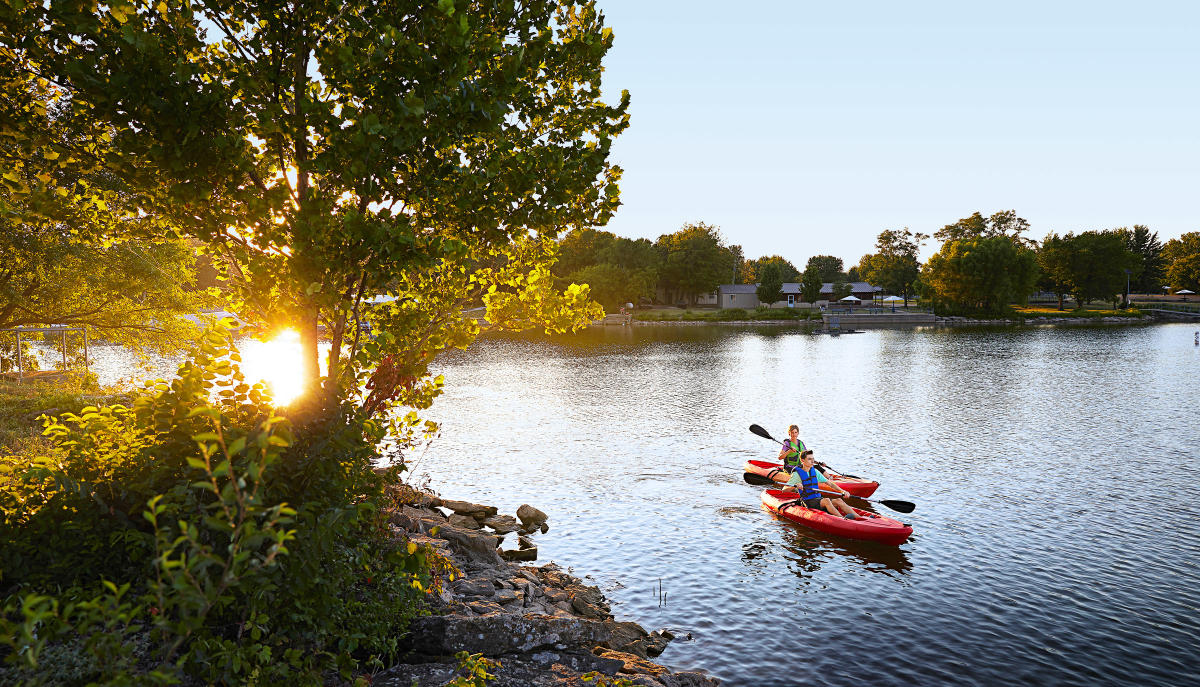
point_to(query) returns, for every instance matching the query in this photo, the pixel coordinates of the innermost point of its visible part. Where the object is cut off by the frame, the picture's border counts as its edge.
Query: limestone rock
(468, 508)
(476, 548)
(475, 586)
(464, 521)
(507, 596)
(485, 607)
(493, 635)
(627, 637)
(520, 555)
(503, 524)
(588, 602)
(531, 517)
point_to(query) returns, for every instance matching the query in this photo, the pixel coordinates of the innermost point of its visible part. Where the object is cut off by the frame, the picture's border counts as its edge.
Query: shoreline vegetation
(483, 613)
(808, 317)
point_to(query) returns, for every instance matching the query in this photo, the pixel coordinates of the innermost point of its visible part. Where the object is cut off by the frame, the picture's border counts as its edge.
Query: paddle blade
(899, 506)
(757, 480)
(756, 429)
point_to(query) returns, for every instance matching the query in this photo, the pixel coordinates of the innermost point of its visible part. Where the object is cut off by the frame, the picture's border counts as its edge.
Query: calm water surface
(1055, 474)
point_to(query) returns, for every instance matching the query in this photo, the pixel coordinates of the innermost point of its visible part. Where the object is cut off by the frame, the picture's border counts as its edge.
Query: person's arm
(830, 488)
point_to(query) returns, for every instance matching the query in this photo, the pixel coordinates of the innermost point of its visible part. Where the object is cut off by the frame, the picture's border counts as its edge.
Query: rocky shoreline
(544, 627)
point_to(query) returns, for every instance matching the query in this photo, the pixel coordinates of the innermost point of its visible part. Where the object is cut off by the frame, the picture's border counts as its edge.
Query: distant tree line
(983, 265)
(682, 266)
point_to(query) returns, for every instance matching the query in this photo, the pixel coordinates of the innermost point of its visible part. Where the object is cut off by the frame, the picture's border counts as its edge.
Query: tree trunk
(310, 367)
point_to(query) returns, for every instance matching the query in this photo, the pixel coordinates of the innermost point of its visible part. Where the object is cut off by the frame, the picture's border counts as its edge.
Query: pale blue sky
(805, 128)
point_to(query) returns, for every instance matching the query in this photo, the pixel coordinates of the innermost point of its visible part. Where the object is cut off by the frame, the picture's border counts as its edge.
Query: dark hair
(806, 453)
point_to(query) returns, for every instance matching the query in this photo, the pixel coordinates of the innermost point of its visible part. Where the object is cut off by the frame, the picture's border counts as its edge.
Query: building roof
(737, 288)
(855, 287)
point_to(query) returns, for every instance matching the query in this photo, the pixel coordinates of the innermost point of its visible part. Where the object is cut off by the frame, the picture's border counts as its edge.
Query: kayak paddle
(757, 429)
(894, 504)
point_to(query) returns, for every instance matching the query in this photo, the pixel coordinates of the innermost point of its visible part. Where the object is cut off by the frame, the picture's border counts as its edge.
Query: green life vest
(792, 460)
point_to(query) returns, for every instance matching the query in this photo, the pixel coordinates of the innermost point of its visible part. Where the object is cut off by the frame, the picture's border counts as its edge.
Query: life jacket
(809, 482)
(792, 460)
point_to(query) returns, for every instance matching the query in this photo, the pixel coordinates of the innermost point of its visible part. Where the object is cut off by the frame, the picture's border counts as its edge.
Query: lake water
(1055, 470)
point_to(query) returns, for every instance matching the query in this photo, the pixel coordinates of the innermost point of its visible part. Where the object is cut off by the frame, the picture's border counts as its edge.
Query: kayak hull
(775, 472)
(870, 527)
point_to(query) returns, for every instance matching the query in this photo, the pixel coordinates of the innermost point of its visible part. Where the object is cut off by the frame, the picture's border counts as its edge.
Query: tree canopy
(810, 285)
(1182, 256)
(133, 293)
(1003, 223)
(695, 260)
(982, 274)
(828, 267)
(327, 152)
(770, 287)
(1146, 245)
(753, 269)
(894, 266)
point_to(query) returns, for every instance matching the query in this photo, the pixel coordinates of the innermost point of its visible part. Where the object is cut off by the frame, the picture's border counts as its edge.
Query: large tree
(770, 287)
(1182, 256)
(827, 266)
(810, 285)
(894, 266)
(330, 151)
(1003, 223)
(1146, 245)
(73, 248)
(695, 260)
(1099, 260)
(134, 292)
(752, 270)
(982, 274)
(1055, 256)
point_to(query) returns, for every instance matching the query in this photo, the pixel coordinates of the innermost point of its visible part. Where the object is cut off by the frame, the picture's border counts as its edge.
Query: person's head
(806, 459)
(794, 431)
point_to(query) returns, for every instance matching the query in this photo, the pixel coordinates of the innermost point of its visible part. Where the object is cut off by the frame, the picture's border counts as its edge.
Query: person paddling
(807, 480)
(789, 455)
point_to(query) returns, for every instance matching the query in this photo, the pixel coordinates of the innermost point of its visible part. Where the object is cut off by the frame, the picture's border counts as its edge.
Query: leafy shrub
(198, 533)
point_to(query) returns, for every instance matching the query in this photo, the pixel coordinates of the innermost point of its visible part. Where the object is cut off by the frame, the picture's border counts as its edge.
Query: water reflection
(810, 548)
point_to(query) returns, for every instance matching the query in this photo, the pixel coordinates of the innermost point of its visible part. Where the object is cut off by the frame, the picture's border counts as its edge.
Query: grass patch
(22, 404)
(1088, 313)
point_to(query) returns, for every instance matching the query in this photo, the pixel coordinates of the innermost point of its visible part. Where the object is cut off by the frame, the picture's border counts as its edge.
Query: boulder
(464, 521)
(507, 596)
(503, 524)
(519, 555)
(524, 542)
(474, 547)
(627, 637)
(475, 586)
(468, 508)
(493, 635)
(531, 517)
(588, 602)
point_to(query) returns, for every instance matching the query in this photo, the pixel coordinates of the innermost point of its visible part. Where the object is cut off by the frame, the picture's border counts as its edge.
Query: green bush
(198, 534)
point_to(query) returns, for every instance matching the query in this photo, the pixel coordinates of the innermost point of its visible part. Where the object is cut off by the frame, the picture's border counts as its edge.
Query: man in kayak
(789, 455)
(807, 480)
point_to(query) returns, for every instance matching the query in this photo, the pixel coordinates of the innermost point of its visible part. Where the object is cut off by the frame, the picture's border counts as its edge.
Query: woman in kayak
(807, 480)
(789, 455)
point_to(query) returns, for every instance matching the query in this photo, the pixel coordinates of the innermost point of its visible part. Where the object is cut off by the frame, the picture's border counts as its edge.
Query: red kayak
(775, 472)
(869, 527)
